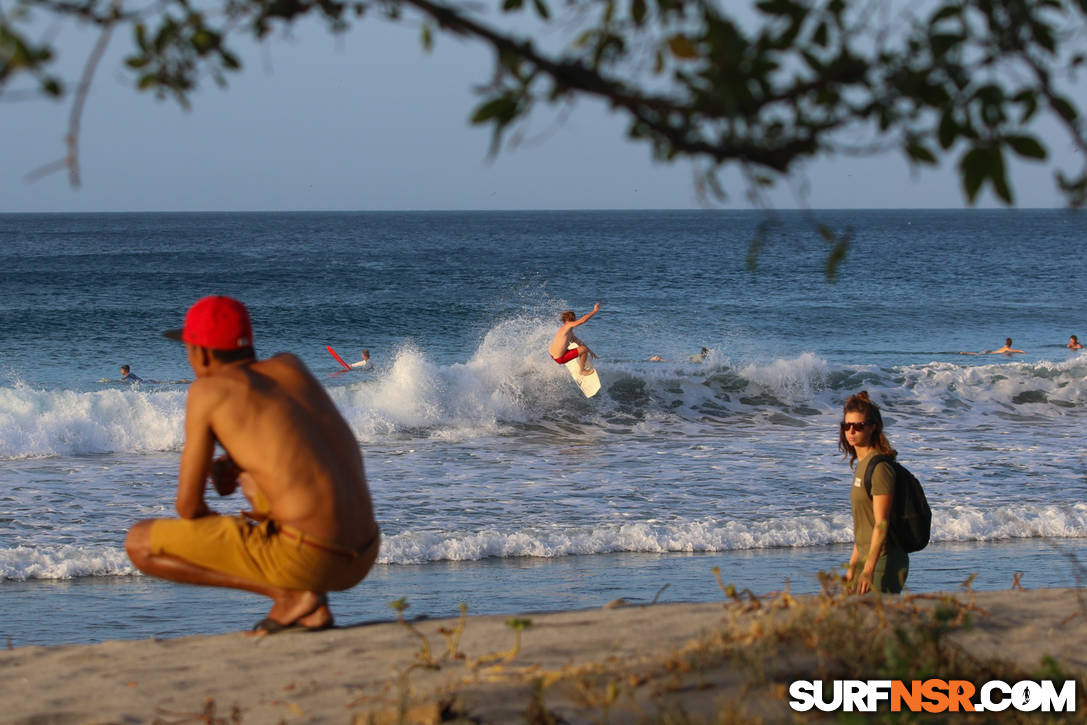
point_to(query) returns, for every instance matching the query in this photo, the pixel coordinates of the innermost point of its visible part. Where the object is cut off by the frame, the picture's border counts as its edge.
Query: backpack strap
(881, 458)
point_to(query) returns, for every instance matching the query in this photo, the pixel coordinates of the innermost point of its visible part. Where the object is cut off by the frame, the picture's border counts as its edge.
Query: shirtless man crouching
(559, 344)
(311, 529)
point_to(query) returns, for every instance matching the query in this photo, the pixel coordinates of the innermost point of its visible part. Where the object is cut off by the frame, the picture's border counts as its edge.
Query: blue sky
(368, 121)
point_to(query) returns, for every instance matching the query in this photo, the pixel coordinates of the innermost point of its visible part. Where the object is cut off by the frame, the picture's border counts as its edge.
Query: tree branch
(71, 159)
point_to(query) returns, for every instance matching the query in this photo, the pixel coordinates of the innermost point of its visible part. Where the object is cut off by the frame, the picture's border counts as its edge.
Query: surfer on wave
(559, 344)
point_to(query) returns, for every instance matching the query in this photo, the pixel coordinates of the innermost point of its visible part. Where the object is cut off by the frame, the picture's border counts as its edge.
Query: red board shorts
(567, 356)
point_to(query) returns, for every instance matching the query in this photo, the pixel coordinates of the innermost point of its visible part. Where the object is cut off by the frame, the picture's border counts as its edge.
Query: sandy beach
(729, 661)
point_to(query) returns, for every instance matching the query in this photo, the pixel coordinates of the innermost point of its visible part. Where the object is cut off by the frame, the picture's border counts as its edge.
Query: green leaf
(1043, 34)
(426, 37)
(146, 81)
(836, 257)
(781, 7)
(941, 43)
(137, 61)
(501, 109)
(52, 87)
(1064, 108)
(933, 95)
(682, 47)
(1029, 100)
(1027, 146)
(813, 62)
(999, 176)
(948, 11)
(508, 5)
(202, 41)
(638, 10)
(920, 153)
(974, 168)
(542, 9)
(948, 130)
(584, 38)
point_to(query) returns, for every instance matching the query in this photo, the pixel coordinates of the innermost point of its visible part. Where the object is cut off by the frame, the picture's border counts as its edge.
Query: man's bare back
(292, 445)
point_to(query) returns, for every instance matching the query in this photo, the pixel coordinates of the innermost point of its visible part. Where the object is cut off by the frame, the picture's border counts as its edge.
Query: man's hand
(596, 308)
(224, 475)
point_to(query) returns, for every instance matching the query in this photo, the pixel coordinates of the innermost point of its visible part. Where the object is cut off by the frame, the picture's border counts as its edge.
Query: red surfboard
(339, 359)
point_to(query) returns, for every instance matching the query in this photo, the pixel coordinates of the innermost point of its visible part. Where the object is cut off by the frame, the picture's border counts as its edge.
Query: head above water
(125, 369)
(867, 412)
(568, 316)
(1008, 342)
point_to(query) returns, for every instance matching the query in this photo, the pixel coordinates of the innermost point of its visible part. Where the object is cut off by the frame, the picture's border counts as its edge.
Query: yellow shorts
(266, 553)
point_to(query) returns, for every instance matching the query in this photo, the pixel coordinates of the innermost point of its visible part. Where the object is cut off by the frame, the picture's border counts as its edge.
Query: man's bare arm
(584, 319)
(195, 456)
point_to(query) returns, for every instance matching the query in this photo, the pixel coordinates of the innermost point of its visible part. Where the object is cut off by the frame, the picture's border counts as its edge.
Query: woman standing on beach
(881, 562)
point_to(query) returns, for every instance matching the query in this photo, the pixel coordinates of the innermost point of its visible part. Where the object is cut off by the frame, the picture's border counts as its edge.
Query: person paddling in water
(1006, 350)
(128, 376)
(558, 349)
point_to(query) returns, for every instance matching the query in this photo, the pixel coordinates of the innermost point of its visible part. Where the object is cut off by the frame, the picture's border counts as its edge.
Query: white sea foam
(62, 562)
(508, 380)
(709, 535)
(36, 423)
(953, 524)
(792, 380)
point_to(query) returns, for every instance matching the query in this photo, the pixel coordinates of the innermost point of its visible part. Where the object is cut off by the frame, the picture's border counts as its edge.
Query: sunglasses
(854, 426)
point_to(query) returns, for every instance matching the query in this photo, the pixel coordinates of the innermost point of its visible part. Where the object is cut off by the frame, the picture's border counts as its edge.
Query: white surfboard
(589, 384)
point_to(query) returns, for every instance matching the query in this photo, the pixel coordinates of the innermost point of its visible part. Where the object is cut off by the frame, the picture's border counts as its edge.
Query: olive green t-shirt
(864, 517)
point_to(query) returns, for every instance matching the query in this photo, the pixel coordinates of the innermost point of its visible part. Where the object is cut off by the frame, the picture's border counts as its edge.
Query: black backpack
(911, 518)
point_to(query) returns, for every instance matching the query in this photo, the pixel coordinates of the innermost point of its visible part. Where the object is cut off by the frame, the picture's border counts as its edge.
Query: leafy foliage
(765, 89)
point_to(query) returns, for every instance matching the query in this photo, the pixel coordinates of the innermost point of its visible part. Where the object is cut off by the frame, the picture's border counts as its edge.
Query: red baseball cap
(217, 322)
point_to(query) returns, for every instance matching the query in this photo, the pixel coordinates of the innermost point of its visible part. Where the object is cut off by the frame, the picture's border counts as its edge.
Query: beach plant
(730, 591)
(760, 645)
(518, 625)
(400, 606)
(599, 693)
(659, 592)
(208, 715)
(537, 713)
(452, 636)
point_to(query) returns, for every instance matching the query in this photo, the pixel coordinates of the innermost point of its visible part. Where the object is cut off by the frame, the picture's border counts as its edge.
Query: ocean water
(495, 481)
